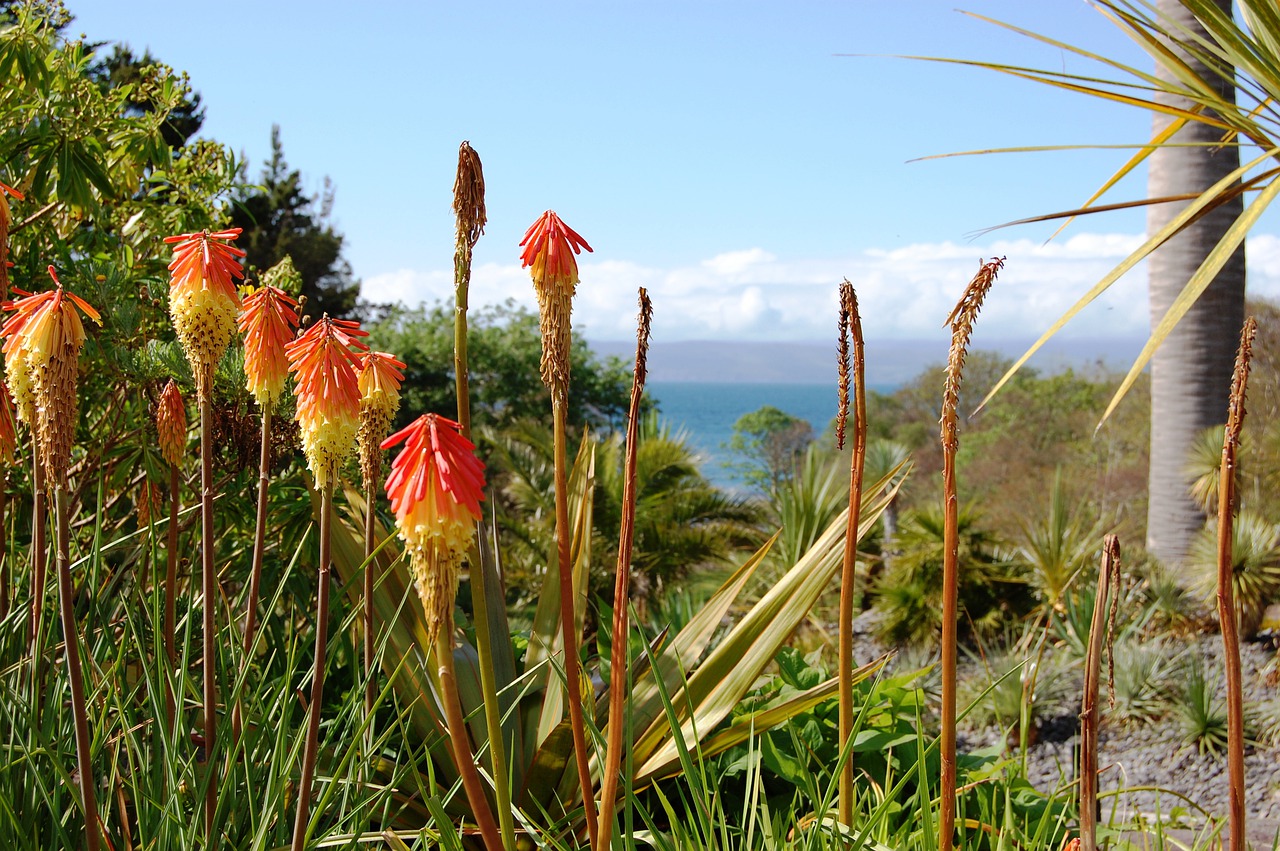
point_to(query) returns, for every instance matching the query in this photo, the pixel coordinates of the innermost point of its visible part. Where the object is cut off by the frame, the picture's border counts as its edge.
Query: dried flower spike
(203, 301)
(468, 196)
(44, 337)
(328, 393)
(171, 424)
(961, 322)
(436, 486)
(268, 324)
(550, 247)
(379, 382)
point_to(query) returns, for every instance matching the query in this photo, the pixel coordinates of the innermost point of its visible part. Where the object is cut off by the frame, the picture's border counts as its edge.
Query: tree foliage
(505, 348)
(772, 444)
(281, 220)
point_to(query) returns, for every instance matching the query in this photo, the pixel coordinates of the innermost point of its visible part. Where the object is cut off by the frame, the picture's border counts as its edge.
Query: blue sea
(708, 410)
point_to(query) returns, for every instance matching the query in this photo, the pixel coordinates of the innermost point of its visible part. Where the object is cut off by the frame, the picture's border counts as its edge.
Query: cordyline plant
(204, 304)
(550, 249)
(44, 338)
(1228, 615)
(961, 323)
(855, 373)
(171, 430)
(328, 397)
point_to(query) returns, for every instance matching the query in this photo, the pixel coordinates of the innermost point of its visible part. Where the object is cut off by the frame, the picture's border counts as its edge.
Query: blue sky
(724, 154)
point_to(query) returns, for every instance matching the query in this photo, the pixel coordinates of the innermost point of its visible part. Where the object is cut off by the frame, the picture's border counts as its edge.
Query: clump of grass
(1202, 720)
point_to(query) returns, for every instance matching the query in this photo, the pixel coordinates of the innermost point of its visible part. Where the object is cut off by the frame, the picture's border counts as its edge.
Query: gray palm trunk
(1191, 372)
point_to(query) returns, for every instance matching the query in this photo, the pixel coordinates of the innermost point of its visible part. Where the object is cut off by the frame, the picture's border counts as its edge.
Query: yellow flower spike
(379, 383)
(171, 424)
(436, 486)
(550, 247)
(42, 350)
(203, 301)
(328, 393)
(268, 324)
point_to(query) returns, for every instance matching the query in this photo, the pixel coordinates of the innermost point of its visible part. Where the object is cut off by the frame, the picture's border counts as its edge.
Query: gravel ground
(1151, 755)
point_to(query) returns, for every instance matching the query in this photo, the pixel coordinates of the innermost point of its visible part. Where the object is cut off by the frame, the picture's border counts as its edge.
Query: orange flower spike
(379, 382)
(203, 301)
(268, 324)
(42, 349)
(550, 247)
(171, 424)
(436, 485)
(328, 393)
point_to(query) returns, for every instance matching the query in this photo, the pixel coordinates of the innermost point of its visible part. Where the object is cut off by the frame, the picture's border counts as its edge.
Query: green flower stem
(71, 640)
(569, 624)
(39, 555)
(492, 708)
(312, 744)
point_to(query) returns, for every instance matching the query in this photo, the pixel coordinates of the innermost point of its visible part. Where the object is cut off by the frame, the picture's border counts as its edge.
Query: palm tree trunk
(1191, 372)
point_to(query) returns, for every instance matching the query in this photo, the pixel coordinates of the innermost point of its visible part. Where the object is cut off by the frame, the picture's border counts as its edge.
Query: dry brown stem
(1227, 614)
(622, 576)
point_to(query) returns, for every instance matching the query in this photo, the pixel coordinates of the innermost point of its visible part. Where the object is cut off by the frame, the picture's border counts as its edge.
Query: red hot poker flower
(436, 485)
(328, 393)
(171, 424)
(268, 324)
(42, 351)
(203, 301)
(380, 378)
(549, 248)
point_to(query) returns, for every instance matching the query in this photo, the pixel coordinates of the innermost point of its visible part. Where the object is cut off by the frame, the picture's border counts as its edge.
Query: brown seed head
(468, 197)
(848, 309)
(642, 337)
(961, 321)
(1235, 405)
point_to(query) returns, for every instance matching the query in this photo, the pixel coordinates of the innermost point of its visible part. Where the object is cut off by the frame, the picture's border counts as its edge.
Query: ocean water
(707, 411)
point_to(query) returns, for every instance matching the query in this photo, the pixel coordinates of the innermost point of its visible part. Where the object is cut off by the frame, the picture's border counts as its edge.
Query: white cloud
(904, 292)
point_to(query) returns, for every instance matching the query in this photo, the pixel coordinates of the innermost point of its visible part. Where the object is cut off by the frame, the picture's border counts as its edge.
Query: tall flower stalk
(20, 377)
(8, 452)
(961, 323)
(550, 249)
(855, 373)
(1099, 631)
(379, 382)
(46, 331)
(328, 394)
(621, 584)
(1228, 618)
(470, 216)
(268, 323)
(436, 485)
(171, 429)
(204, 304)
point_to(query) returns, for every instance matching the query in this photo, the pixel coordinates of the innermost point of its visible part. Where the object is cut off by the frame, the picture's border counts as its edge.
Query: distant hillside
(889, 362)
